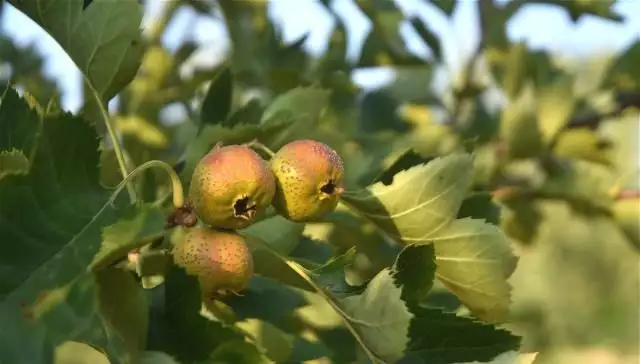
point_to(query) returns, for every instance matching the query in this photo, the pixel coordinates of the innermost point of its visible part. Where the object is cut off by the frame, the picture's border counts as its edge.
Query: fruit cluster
(233, 186)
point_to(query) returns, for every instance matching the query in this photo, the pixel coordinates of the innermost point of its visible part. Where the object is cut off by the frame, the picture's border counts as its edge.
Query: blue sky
(542, 26)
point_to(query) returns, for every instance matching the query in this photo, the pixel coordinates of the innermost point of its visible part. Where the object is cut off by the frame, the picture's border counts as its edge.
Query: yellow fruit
(231, 187)
(309, 180)
(221, 260)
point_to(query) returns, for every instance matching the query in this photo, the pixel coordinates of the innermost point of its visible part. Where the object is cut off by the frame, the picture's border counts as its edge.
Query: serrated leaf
(519, 127)
(19, 123)
(415, 270)
(380, 317)
(474, 261)
(555, 105)
(217, 102)
(13, 162)
(420, 201)
(51, 221)
(103, 40)
(300, 107)
(438, 337)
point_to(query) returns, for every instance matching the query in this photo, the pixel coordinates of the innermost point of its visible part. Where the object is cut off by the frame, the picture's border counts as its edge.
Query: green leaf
(217, 102)
(415, 270)
(428, 36)
(627, 214)
(438, 337)
(380, 317)
(474, 261)
(73, 352)
(623, 72)
(13, 162)
(581, 182)
(300, 107)
(480, 206)
(51, 221)
(447, 6)
(277, 344)
(577, 285)
(579, 8)
(124, 306)
(519, 127)
(19, 123)
(280, 234)
(553, 115)
(103, 40)
(583, 144)
(421, 200)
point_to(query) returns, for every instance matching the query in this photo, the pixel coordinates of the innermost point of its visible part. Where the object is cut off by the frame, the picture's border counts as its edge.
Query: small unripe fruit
(231, 187)
(221, 260)
(309, 180)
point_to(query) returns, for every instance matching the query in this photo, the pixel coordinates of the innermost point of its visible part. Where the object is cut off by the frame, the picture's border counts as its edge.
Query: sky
(541, 26)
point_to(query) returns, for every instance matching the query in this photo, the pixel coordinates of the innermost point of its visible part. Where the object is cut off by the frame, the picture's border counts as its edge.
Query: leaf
(554, 114)
(584, 144)
(217, 102)
(277, 344)
(73, 352)
(577, 285)
(623, 72)
(420, 201)
(300, 107)
(279, 233)
(19, 123)
(51, 221)
(581, 182)
(627, 214)
(438, 337)
(480, 206)
(447, 6)
(103, 40)
(428, 36)
(415, 270)
(380, 317)
(124, 305)
(579, 8)
(13, 162)
(519, 127)
(474, 260)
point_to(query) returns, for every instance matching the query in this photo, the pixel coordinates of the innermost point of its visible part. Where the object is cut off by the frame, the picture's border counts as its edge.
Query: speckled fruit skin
(221, 260)
(301, 169)
(225, 176)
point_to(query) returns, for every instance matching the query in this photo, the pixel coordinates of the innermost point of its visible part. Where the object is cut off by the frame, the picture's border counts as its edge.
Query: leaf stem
(176, 184)
(298, 269)
(255, 144)
(118, 149)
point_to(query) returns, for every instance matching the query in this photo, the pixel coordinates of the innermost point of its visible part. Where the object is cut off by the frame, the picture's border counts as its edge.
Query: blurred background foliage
(555, 141)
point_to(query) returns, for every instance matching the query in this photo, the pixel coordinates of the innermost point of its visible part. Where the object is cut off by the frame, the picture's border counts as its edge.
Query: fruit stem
(257, 145)
(178, 191)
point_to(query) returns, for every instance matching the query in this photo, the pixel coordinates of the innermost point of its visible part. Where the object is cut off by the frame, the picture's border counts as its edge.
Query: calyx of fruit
(309, 180)
(231, 187)
(221, 260)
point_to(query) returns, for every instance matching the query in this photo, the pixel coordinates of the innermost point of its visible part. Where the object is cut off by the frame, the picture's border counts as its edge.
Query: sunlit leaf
(420, 201)
(555, 105)
(13, 162)
(474, 260)
(519, 127)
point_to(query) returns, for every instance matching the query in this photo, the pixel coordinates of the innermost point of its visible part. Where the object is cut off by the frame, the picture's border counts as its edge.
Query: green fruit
(231, 187)
(309, 180)
(221, 260)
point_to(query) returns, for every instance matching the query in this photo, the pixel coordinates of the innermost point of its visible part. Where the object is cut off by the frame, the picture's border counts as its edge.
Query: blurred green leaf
(627, 214)
(217, 102)
(555, 105)
(579, 8)
(583, 144)
(300, 108)
(519, 127)
(428, 36)
(13, 162)
(73, 352)
(277, 344)
(447, 6)
(623, 72)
